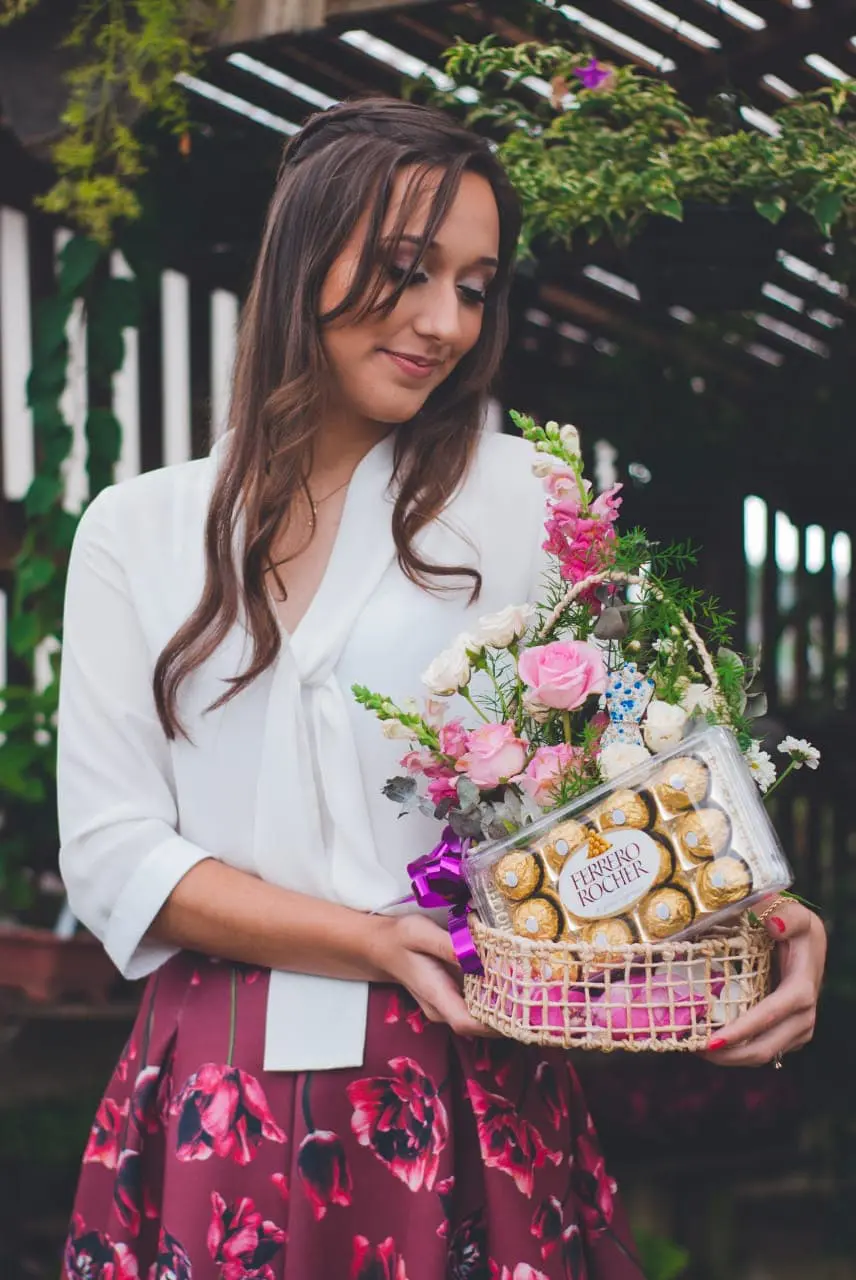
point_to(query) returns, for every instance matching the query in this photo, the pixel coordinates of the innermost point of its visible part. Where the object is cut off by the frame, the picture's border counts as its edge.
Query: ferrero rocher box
(672, 847)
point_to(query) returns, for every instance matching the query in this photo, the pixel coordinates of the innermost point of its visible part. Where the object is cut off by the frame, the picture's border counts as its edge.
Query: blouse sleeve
(121, 855)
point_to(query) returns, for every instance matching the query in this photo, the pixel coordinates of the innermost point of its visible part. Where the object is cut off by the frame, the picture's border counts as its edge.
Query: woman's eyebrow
(481, 262)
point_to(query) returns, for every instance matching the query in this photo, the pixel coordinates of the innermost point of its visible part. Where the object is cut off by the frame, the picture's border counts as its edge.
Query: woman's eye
(398, 273)
(475, 297)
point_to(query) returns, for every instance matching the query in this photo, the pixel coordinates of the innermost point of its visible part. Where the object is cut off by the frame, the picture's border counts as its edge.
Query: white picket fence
(17, 452)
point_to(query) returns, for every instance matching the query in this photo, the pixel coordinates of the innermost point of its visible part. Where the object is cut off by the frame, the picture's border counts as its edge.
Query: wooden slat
(224, 327)
(175, 367)
(126, 390)
(15, 355)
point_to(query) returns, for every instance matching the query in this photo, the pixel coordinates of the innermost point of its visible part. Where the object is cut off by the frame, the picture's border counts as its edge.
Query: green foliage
(601, 161)
(12, 9)
(661, 1259)
(129, 54)
(28, 836)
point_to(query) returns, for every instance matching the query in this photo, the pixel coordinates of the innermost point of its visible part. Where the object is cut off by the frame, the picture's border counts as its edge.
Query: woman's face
(386, 366)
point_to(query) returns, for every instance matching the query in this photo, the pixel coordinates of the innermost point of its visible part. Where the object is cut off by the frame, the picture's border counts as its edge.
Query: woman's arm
(142, 888)
(221, 911)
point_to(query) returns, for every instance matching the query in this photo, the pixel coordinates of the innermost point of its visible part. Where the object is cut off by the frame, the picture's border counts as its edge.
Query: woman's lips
(417, 367)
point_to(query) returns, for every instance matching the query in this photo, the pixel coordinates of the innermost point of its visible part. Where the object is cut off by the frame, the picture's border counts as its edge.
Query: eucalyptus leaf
(468, 794)
(399, 789)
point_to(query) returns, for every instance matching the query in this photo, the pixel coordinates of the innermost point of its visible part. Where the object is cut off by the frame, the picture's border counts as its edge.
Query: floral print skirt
(439, 1159)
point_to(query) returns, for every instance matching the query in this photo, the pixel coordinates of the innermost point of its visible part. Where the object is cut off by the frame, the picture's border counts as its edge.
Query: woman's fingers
(787, 919)
(784, 1020)
(784, 1037)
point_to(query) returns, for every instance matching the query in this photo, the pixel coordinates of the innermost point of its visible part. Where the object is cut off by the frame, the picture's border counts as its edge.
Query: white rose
(618, 757)
(500, 629)
(664, 725)
(452, 670)
(395, 729)
(570, 438)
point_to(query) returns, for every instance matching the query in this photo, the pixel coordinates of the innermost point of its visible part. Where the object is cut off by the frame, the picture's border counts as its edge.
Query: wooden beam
(259, 19)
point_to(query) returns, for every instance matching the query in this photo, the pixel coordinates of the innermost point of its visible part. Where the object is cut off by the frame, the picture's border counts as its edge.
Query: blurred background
(713, 376)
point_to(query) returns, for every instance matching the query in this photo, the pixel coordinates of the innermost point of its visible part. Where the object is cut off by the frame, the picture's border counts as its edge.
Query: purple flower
(595, 75)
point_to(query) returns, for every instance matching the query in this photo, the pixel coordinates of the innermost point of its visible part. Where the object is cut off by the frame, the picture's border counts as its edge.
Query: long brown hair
(343, 163)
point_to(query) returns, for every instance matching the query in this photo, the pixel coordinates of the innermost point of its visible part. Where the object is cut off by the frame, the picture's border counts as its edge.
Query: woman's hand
(784, 1020)
(415, 952)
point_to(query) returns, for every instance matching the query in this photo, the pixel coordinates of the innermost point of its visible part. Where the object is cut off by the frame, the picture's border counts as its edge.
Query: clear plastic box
(670, 848)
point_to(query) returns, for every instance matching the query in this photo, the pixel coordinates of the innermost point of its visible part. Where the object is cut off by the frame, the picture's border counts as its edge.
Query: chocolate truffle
(683, 783)
(562, 841)
(517, 875)
(624, 809)
(706, 833)
(604, 934)
(667, 859)
(538, 919)
(665, 911)
(723, 881)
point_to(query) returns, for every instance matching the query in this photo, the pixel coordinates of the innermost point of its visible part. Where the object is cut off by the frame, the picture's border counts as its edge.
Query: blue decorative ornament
(628, 693)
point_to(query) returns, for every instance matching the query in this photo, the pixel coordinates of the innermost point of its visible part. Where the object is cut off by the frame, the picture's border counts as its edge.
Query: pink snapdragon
(582, 539)
(563, 674)
(543, 775)
(494, 754)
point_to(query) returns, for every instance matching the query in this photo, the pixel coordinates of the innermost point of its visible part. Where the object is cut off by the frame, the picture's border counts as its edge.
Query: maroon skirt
(440, 1158)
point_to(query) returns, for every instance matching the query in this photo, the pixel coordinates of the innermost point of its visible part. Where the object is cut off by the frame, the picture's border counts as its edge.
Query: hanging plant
(126, 55)
(612, 149)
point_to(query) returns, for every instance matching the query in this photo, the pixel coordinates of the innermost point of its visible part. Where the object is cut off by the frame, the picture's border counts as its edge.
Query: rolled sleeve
(121, 852)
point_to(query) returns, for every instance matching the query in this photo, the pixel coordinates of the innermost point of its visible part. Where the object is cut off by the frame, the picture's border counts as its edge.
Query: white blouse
(284, 781)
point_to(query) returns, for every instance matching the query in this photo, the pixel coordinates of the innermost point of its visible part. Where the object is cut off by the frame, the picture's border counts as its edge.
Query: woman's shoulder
(149, 510)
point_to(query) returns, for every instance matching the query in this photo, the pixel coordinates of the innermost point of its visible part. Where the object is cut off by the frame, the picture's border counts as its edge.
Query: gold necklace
(314, 505)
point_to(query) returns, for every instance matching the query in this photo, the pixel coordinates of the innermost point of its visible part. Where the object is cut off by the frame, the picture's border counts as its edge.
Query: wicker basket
(665, 998)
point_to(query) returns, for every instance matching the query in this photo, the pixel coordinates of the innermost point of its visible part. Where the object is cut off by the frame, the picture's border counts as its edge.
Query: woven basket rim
(724, 938)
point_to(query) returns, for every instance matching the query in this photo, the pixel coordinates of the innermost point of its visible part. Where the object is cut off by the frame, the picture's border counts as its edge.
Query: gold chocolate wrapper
(664, 912)
(667, 859)
(624, 809)
(537, 918)
(705, 833)
(604, 934)
(683, 784)
(562, 841)
(517, 875)
(723, 881)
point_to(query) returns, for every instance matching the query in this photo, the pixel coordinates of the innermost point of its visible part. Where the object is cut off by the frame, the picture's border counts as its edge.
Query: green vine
(28, 837)
(129, 53)
(599, 160)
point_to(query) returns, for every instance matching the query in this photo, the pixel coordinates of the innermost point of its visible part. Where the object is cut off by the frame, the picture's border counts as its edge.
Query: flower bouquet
(604, 835)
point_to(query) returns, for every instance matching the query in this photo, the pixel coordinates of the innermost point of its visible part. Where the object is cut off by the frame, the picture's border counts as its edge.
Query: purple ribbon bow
(438, 880)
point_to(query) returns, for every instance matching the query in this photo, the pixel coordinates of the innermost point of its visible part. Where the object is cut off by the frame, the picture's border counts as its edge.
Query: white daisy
(762, 767)
(801, 752)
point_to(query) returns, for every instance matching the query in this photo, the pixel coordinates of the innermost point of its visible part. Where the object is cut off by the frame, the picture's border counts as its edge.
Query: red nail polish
(778, 923)
(717, 1044)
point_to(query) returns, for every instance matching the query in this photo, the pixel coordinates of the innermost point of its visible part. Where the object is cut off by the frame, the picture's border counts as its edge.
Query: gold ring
(761, 916)
(777, 1062)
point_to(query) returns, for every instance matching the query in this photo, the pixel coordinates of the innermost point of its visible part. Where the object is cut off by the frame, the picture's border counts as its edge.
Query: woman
(304, 1095)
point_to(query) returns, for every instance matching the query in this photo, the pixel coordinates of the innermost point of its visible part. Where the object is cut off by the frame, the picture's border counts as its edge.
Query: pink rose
(453, 738)
(493, 755)
(563, 674)
(544, 772)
